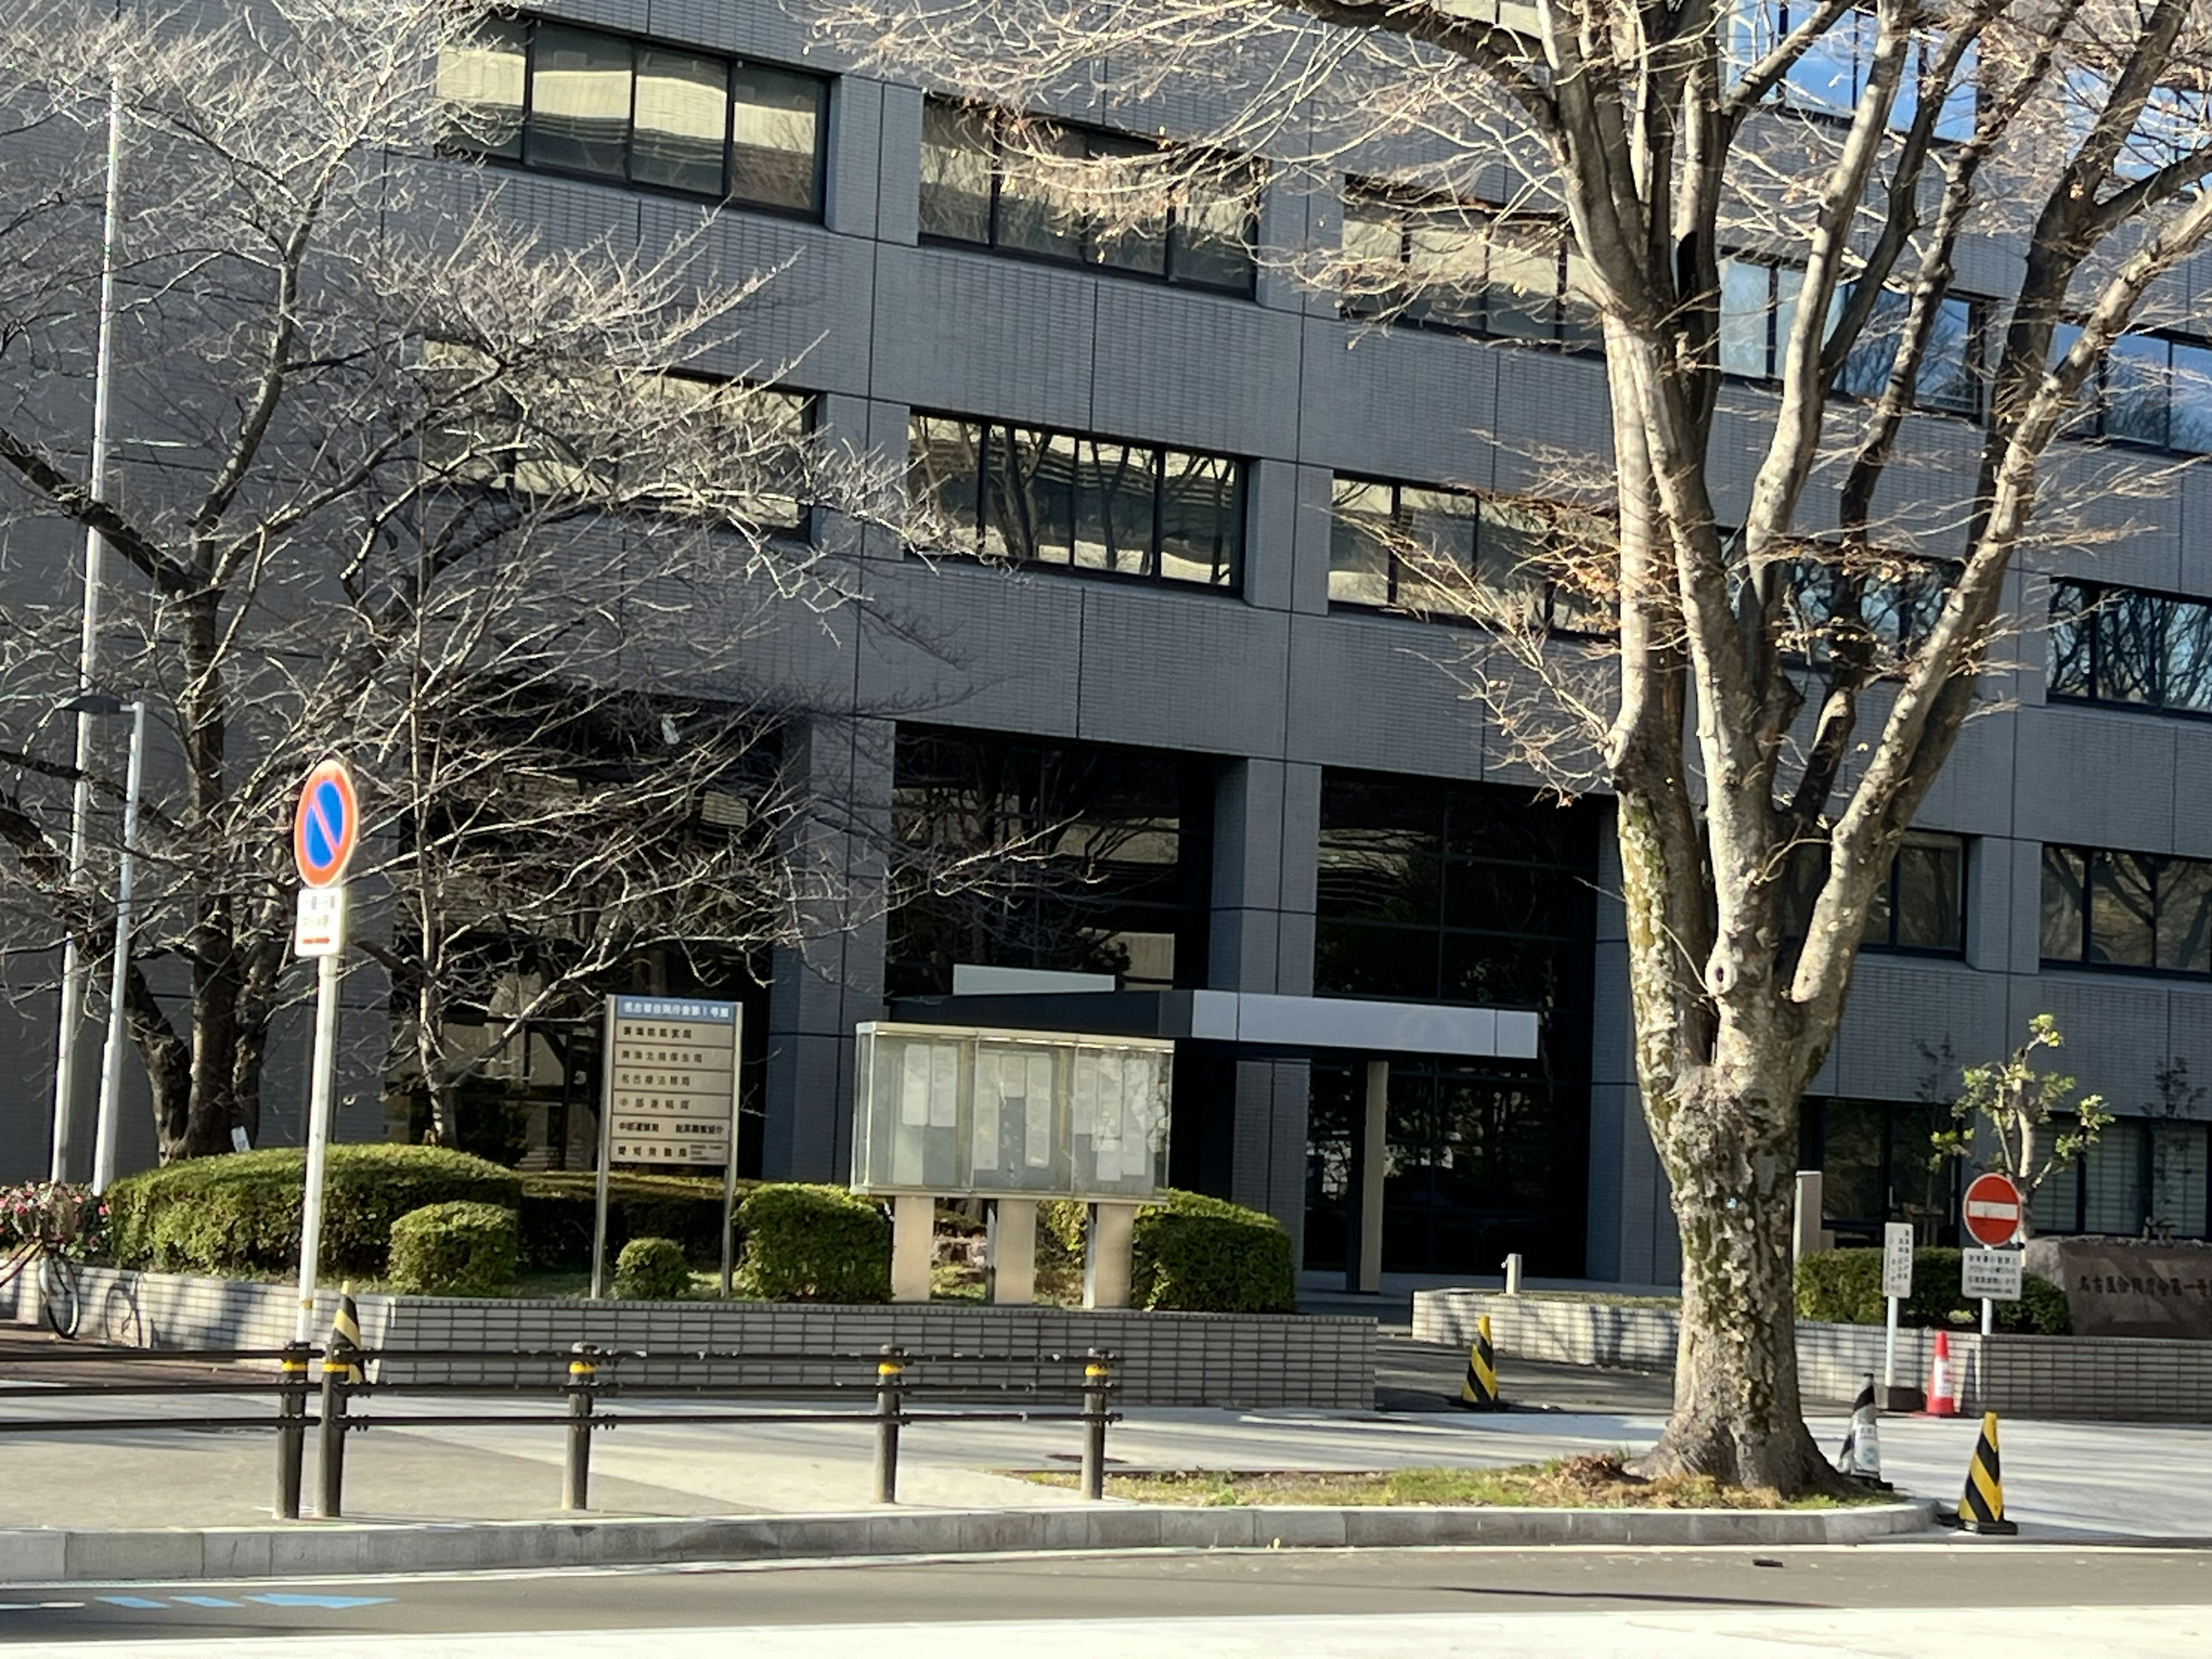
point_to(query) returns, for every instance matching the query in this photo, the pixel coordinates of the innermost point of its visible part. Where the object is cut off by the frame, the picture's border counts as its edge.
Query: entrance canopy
(1251, 1019)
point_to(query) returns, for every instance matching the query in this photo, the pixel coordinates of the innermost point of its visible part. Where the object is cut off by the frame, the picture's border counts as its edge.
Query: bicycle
(49, 1248)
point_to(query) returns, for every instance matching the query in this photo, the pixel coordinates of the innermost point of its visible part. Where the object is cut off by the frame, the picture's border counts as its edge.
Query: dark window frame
(1232, 581)
(2096, 597)
(2088, 423)
(1893, 886)
(1806, 107)
(817, 186)
(2092, 860)
(1391, 607)
(1568, 338)
(995, 118)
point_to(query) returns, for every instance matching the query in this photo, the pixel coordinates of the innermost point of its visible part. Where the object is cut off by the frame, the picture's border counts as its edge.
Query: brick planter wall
(2117, 1378)
(1162, 1358)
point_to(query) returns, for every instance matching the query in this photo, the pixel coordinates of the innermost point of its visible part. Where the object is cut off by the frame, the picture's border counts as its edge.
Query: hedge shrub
(454, 1250)
(1844, 1287)
(807, 1244)
(239, 1214)
(651, 1270)
(557, 1204)
(1205, 1254)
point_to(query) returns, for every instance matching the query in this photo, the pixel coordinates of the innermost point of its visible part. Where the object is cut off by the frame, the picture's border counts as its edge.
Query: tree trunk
(1730, 1149)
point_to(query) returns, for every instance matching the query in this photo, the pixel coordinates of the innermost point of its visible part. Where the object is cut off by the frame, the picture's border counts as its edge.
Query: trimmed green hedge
(651, 1270)
(1844, 1287)
(556, 1215)
(239, 1214)
(807, 1244)
(1203, 1254)
(454, 1250)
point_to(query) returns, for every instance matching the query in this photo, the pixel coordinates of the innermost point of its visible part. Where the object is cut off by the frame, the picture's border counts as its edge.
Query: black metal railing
(892, 1390)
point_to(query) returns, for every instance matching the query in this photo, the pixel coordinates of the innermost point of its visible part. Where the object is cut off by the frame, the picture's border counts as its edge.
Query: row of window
(560, 99)
(1425, 550)
(989, 181)
(2105, 908)
(2119, 645)
(1033, 496)
(1429, 258)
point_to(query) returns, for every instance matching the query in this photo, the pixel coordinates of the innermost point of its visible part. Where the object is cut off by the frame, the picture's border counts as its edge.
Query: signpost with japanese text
(668, 1095)
(1991, 1214)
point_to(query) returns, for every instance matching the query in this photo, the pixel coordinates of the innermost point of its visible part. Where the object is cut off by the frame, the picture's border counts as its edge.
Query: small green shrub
(1059, 1231)
(454, 1250)
(1205, 1254)
(807, 1244)
(239, 1214)
(1844, 1287)
(557, 1206)
(651, 1270)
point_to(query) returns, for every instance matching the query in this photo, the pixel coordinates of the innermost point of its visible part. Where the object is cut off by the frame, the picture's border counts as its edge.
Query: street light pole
(65, 1152)
(111, 1068)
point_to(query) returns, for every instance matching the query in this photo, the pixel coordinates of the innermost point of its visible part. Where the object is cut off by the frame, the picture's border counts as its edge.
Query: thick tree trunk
(1731, 1152)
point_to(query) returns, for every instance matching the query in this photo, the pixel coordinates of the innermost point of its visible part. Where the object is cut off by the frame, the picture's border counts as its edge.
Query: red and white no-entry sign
(1992, 1210)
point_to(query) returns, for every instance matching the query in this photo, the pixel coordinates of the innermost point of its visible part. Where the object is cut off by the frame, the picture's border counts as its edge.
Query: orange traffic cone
(1942, 1387)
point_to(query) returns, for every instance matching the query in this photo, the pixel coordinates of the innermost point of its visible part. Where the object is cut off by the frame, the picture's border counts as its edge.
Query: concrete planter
(2121, 1379)
(1162, 1358)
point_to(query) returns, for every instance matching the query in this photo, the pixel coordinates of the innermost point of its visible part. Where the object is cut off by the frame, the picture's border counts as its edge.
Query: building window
(1876, 1157)
(1102, 505)
(1923, 905)
(1028, 854)
(1412, 548)
(980, 187)
(589, 104)
(2145, 1176)
(1894, 599)
(1950, 375)
(1832, 74)
(2139, 911)
(2153, 390)
(2119, 645)
(1423, 258)
(708, 449)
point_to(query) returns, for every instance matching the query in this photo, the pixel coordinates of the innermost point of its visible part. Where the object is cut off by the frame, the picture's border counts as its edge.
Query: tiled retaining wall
(2126, 1379)
(1161, 1358)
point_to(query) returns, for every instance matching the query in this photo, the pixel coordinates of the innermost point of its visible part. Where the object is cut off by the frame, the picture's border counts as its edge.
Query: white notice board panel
(1991, 1274)
(1897, 1260)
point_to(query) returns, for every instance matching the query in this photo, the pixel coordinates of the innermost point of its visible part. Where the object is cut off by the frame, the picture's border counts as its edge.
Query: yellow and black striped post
(1981, 1509)
(345, 1335)
(1479, 1391)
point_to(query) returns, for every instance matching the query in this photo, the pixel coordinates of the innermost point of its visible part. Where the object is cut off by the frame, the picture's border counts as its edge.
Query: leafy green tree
(2015, 1119)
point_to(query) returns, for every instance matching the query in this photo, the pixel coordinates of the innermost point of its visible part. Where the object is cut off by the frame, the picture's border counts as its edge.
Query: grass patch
(1588, 1481)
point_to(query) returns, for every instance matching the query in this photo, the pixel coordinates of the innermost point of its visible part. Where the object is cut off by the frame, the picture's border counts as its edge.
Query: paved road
(1899, 1599)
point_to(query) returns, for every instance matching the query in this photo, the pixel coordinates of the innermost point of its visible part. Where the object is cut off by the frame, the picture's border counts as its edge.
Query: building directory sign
(671, 1080)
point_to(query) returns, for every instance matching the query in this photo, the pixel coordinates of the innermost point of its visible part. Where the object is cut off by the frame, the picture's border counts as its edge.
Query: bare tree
(509, 517)
(1863, 152)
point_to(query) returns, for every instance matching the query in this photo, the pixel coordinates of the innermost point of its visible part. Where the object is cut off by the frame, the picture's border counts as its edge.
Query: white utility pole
(111, 1068)
(95, 550)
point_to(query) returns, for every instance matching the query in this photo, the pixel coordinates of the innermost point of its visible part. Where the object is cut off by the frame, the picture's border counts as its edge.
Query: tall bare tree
(1865, 152)
(508, 517)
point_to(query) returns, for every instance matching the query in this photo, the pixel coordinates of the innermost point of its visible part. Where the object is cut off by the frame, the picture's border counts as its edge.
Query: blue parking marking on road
(206, 1602)
(134, 1602)
(286, 1599)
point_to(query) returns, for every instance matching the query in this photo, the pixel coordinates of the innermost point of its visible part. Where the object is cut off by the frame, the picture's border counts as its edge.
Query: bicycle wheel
(60, 1304)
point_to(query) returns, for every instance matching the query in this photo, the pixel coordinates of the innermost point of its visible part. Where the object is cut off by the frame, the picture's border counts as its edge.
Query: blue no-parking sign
(326, 824)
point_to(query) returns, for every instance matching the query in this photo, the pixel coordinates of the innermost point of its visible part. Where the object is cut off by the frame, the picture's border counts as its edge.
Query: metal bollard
(291, 1428)
(576, 1475)
(1097, 1373)
(337, 1368)
(890, 1366)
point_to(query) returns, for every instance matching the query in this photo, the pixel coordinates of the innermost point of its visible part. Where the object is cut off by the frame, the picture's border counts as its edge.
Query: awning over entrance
(1250, 1019)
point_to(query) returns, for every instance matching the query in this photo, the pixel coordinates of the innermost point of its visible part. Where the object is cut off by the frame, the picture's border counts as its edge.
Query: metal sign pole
(606, 1148)
(328, 971)
(729, 1153)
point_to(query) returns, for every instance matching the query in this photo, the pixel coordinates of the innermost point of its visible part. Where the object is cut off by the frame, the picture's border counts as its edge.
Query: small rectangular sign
(319, 926)
(1897, 1259)
(713, 1153)
(1994, 1275)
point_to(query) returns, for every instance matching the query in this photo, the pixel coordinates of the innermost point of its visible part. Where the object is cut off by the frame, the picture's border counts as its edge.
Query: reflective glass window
(1215, 230)
(682, 120)
(775, 136)
(1201, 517)
(580, 92)
(1747, 315)
(1465, 266)
(2121, 913)
(480, 88)
(1359, 542)
(2065, 906)
(2136, 390)
(2185, 915)
(956, 173)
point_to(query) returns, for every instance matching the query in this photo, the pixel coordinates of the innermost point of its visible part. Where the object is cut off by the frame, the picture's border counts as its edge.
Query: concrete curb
(46, 1555)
